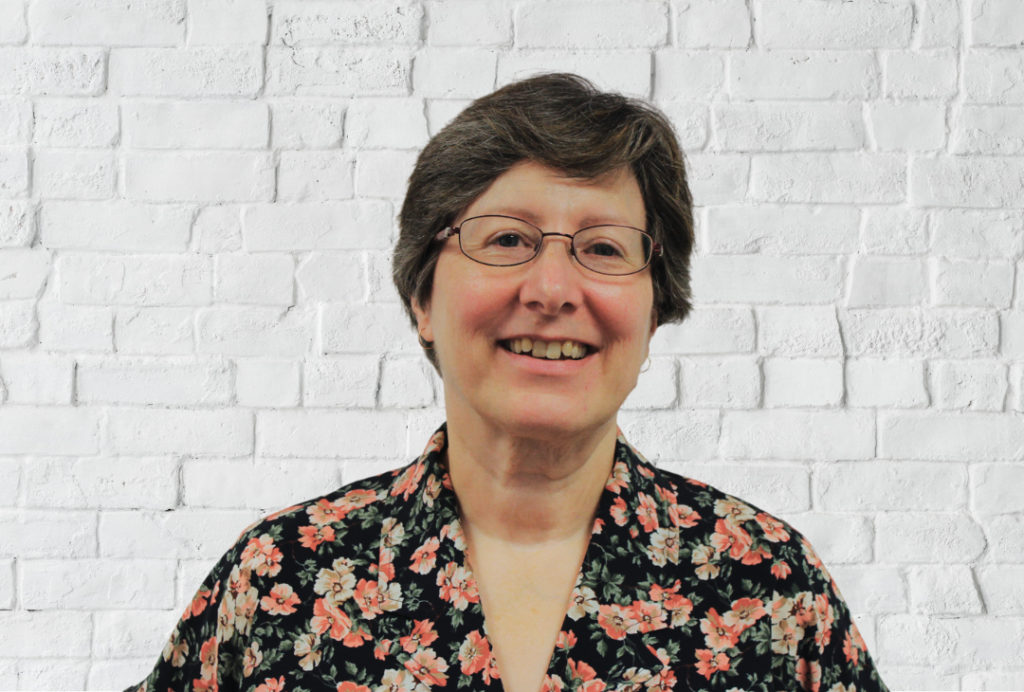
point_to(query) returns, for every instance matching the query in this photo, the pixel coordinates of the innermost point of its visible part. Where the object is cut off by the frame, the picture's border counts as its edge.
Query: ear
(423, 325)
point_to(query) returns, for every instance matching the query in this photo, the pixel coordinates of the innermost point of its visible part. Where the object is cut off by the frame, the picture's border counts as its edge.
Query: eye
(509, 238)
(603, 250)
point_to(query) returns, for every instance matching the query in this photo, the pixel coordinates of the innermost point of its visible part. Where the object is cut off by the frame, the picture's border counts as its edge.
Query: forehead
(537, 194)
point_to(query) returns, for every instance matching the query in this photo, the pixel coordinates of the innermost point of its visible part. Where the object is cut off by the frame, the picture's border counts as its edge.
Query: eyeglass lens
(502, 241)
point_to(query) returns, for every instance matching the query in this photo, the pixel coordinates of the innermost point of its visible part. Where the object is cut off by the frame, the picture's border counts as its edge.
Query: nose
(552, 283)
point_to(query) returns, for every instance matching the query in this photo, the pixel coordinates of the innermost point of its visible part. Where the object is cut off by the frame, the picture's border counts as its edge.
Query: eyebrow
(585, 222)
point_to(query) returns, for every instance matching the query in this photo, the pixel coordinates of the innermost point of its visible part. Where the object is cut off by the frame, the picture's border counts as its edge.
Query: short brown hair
(564, 122)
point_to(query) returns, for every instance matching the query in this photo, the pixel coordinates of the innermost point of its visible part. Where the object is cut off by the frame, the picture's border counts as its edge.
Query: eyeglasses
(505, 241)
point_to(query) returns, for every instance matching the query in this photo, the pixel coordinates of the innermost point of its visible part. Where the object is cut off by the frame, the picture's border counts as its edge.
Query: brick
(184, 534)
(254, 331)
(713, 382)
(991, 681)
(802, 382)
(1000, 588)
(218, 229)
(690, 121)
(894, 231)
(13, 172)
(995, 488)
(908, 126)
(10, 479)
(777, 488)
(885, 383)
(910, 332)
(697, 75)
(23, 273)
(829, 178)
(306, 124)
(584, 25)
(949, 436)
(921, 74)
(886, 281)
(812, 24)
(227, 22)
(993, 76)
(195, 72)
(957, 644)
(1006, 537)
(939, 23)
(134, 279)
(666, 436)
(384, 173)
(885, 486)
(195, 125)
(379, 278)
(837, 538)
(707, 330)
(717, 178)
(789, 127)
(153, 331)
(1011, 329)
(625, 72)
(73, 174)
(346, 381)
(782, 230)
(131, 633)
(969, 386)
(758, 279)
(44, 71)
(441, 112)
(943, 590)
(713, 24)
(17, 224)
(406, 383)
(362, 434)
(365, 329)
(827, 75)
(928, 538)
(262, 279)
(353, 23)
(969, 234)
(314, 176)
(49, 430)
(76, 123)
(386, 123)
(997, 23)
(97, 584)
(195, 177)
(332, 277)
(873, 589)
(656, 386)
(267, 484)
(75, 328)
(799, 331)
(798, 434)
(108, 22)
(37, 378)
(6, 584)
(115, 225)
(18, 324)
(267, 383)
(39, 634)
(34, 534)
(996, 130)
(145, 381)
(16, 122)
(337, 71)
(143, 431)
(101, 483)
(454, 73)
(330, 226)
(13, 29)
(967, 283)
(472, 23)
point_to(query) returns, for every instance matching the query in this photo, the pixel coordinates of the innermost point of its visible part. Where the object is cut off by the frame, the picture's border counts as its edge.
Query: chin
(549, 417)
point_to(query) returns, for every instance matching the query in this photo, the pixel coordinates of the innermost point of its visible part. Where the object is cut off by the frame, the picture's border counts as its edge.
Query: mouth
(547, 350)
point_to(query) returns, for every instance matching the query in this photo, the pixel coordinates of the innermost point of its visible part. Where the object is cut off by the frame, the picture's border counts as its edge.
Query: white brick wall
(197, 204)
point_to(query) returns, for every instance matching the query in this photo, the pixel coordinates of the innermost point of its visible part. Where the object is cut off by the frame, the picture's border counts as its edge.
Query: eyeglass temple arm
(446, 233)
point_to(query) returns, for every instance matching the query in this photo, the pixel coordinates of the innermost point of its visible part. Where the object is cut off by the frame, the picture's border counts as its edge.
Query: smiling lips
(554, 350)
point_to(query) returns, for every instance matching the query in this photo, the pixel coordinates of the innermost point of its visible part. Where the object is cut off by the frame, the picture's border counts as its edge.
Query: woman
(545, 235)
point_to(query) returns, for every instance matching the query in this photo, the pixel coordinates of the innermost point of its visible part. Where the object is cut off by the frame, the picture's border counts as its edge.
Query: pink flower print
(709, 663)
(647, 513)
(457, 586)
(428, 668)
(734, 511)
(475, 653)
(730, 538)
(786, 634)
(619, 479)
(281, 601)
(619, 511)
(313, 536)
(774, 530)
(331, 619)
(305, 648)
(719, 634)
(425, 556)
(745, 612)
(808, 674)
(617, 621)
(423, 634)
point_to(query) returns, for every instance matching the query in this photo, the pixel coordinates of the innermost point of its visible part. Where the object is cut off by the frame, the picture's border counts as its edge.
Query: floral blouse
(367, 589)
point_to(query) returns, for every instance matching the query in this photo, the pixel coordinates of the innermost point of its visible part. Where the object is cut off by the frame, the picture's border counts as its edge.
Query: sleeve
(815, 643)
(208, 647)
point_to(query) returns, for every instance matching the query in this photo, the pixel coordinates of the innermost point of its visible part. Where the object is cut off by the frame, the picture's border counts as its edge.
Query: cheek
(624, 314)
(465, 302)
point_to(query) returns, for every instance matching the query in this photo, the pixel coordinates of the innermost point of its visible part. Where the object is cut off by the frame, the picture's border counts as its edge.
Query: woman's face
(477, 310)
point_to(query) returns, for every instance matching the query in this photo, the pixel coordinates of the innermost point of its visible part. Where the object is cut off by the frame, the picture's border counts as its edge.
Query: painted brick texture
(197, 324)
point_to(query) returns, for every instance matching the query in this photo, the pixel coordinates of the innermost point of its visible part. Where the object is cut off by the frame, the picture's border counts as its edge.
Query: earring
(647, 365)
(427, 345)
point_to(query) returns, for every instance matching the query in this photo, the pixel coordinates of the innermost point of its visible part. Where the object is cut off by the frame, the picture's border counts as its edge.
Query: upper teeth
(552, 350)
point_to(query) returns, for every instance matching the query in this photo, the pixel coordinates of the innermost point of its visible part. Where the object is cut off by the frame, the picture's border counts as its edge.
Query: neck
(527, 490)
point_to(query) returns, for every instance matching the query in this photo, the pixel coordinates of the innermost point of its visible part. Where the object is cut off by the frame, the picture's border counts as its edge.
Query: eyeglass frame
(657, 249)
